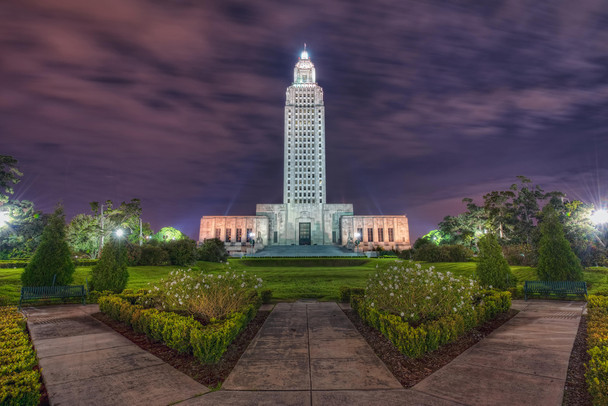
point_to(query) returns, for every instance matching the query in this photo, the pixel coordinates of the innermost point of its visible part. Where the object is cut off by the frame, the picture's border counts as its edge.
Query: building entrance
(304, 233)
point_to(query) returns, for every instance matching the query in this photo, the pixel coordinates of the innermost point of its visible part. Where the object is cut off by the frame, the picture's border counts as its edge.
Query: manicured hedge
(303, 262)
(597, 347)
(19, 382)
(182, 333)
(346, 293)
(417, 341)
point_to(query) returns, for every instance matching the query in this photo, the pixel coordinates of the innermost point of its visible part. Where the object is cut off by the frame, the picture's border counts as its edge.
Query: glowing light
(599, 217)
(357, 236)
(3, 218)
(119, 233)
(304, 54)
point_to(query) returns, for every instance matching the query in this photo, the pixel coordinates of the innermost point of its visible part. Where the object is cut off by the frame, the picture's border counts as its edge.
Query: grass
(290, 283)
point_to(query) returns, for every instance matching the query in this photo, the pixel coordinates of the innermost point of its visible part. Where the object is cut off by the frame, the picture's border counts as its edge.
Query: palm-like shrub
(52, 257)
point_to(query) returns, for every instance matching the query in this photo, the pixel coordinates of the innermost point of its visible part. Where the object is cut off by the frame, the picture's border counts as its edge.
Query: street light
(599, 217)
(119, 233)
(3, 218)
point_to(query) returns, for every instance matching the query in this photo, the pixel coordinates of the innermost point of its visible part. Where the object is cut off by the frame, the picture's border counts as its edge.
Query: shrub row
(304, 262)
(442, 253)
(19, 382)
(182, 333)
(597, 347)
(417, 341)
(21, 263)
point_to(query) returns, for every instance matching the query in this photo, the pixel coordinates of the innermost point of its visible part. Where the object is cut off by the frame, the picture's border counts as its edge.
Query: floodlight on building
(599, 217)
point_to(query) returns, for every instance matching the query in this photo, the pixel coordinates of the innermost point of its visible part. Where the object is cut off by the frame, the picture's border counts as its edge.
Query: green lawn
(294, 282)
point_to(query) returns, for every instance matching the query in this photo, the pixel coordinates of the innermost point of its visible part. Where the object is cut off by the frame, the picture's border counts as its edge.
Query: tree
(111, 271)
(492, 268)
(9, 175)
(110, 219)
(213, 250)
(21, 236)
(168, 234)
(52, 257)
(556, 260)
(83, 235)
(181, 252)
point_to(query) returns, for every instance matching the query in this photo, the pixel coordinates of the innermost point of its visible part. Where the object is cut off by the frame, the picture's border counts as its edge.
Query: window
(228, 234)
(247, 237)
(333, 237)
(359, 235)
(239, 234)
(380, 235)
(370, 234)
(391, 235)
(275, 237)
(218, 233)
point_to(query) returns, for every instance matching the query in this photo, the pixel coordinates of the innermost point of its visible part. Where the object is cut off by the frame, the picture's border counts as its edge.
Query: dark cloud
(180, 103)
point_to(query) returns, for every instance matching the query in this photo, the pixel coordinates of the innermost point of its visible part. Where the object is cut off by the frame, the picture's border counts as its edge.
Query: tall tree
(556, 261)
(110, 219)
(492, 268)
(83, 234)
(9, 176)
(111, 271)
(52, 257)
(21, 236)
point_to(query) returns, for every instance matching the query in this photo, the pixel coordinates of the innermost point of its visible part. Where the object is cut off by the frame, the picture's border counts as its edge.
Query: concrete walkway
(307, 354)
(310, 354)
(84, 362)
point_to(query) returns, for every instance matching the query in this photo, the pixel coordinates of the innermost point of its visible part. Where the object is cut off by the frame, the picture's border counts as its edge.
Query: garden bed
(410, 371)
(210, 375)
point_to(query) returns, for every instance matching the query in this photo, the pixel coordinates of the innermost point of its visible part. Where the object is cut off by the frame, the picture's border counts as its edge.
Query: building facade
(304, 217)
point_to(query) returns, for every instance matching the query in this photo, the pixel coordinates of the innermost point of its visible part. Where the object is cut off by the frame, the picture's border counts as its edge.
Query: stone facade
(304, 218)
(388, 232)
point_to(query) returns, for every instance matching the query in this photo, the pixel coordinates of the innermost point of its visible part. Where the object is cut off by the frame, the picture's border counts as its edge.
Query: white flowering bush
(206, 296)
(418, 294)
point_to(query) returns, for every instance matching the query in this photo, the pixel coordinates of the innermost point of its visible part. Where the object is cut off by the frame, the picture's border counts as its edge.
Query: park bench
(559, 288)
(29, 293)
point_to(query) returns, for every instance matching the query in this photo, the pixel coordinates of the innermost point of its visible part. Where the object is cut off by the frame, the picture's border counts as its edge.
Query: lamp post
(252, 241)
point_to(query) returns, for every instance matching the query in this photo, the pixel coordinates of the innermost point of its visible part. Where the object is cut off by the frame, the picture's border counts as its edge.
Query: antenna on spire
(305, 46)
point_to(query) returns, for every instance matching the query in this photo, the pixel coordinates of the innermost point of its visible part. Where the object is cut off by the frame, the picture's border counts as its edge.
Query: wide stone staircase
(306, 251)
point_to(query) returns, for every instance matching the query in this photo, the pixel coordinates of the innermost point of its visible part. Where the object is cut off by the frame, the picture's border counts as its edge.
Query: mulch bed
(575, 391)
(409, 371)
(208, 375)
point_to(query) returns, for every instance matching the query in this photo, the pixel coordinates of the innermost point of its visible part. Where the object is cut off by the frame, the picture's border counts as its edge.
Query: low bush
(442, 253)
(426, 337)
(520, 255)
(181, 252)
(346, 293)
(419, 294)
(597, 347)
(19, 382)
(153, 255)
(182, 333)
(213, 250)
(266, 296)
(206, 296)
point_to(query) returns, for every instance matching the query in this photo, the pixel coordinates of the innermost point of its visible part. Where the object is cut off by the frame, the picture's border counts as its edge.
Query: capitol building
(304, 217)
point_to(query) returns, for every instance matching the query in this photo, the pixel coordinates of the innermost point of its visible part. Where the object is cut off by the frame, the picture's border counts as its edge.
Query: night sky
(180, 103)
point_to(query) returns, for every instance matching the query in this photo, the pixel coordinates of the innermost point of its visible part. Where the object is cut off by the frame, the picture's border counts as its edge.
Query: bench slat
(561, 288)
(46, 292)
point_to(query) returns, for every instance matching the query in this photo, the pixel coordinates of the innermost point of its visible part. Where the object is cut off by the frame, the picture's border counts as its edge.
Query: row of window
(320, 200)
(238, 237)
(379, 233)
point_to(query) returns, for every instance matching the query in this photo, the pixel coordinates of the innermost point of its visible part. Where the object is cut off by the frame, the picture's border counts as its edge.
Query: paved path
(524, 362)
(308, 354)
(84, 362)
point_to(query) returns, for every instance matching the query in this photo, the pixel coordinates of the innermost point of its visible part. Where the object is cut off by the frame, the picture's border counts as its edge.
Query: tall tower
(304, 157)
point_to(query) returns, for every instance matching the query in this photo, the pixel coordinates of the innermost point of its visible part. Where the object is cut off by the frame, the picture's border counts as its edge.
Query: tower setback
(304, 217)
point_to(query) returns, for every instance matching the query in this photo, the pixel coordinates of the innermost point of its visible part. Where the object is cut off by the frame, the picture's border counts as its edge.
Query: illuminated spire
(304, 54)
